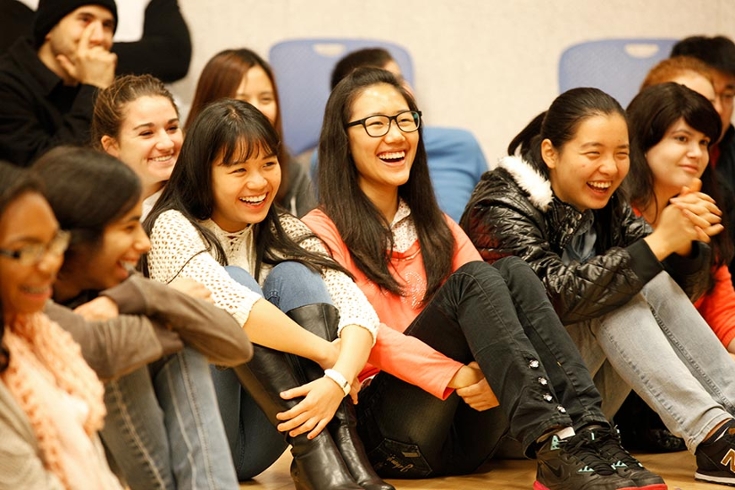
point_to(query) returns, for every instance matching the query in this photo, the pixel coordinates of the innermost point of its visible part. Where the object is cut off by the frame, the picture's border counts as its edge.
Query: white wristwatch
(341, 381)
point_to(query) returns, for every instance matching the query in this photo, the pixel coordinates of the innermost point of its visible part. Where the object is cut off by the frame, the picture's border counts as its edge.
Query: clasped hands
(690, 216)
(703, 216)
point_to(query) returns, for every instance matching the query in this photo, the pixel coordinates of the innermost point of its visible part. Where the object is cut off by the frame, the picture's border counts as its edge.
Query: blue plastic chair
(303, 68)
(617, 66)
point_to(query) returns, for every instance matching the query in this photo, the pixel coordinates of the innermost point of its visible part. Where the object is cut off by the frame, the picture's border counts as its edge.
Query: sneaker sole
(537, 485)
(722, 480)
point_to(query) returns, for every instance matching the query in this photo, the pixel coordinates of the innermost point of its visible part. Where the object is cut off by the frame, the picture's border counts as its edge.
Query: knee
(292, 284)
(243, 277)
(292, 272)
(513, 265)
(662, 286)
(478, 274)
(475, 268)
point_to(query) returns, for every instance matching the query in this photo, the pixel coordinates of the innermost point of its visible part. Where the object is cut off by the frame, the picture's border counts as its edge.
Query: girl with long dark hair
(215, 222)
(379, 217)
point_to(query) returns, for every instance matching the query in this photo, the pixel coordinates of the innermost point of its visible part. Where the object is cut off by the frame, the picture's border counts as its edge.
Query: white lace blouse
(178, 250)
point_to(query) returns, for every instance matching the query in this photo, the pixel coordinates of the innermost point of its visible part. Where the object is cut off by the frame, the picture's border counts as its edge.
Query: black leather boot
(317, 463)
(321, 319)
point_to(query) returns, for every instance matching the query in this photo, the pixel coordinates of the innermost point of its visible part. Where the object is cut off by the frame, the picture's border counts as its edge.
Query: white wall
(485, 65)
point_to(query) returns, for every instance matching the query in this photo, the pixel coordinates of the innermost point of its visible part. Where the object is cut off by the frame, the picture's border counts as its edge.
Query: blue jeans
(254, 442)
(659, 345)
(162, 429)
(500, 317)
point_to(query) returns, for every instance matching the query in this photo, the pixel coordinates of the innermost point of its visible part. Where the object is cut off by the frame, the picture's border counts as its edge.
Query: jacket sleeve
(21, 465)
(23, 138)
(500, 226)
(118, 346)
(177, 250)
(210, 330)
(164, 51)
(691, 272)
(717, 307)
(413, 361)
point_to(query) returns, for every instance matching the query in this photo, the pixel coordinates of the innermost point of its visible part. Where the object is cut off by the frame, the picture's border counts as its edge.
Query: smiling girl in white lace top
(216, 211)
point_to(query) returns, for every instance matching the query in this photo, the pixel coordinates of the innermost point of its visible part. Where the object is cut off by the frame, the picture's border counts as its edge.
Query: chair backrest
(303, 69)
(617, 66)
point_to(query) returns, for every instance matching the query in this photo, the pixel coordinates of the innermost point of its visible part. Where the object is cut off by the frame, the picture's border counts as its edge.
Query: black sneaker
(575, 464)
(716, 460)
(608, 444)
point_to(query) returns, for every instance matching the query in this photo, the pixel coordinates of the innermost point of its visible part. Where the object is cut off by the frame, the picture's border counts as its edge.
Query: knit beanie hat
(50, 12)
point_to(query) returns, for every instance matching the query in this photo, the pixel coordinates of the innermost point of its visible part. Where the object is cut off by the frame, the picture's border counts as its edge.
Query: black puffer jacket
(513, 212)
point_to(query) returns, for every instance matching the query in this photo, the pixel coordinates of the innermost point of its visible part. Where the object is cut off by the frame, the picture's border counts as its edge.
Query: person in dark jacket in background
(48, 83)
(608, 275)
(15, 21)
(44, 105)
(718, 53)
(163, 50)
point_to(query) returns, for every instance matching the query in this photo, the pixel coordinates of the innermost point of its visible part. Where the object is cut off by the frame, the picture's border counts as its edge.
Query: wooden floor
(676, 468)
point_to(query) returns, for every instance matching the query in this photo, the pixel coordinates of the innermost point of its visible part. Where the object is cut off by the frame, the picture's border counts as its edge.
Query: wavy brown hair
(669, 69)
(110, 106)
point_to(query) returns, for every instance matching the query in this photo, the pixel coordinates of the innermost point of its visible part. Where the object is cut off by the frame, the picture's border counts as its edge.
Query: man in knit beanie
(48, 83)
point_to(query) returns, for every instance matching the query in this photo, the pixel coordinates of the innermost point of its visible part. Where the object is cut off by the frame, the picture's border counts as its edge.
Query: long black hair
(651, 113)
(363, 228)
(225, 131)
(14, 182)
(87, 190)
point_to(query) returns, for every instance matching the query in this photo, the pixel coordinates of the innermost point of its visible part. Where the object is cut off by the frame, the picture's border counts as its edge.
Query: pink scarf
(36, 340)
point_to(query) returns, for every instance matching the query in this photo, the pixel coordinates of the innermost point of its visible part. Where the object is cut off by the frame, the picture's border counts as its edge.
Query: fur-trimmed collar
(529, 179)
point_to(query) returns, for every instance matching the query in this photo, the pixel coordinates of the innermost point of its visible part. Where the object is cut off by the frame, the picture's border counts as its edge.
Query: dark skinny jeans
(500, 317)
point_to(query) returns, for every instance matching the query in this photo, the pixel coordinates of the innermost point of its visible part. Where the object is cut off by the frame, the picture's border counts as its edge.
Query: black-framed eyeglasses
(33, 254)
(379, 125)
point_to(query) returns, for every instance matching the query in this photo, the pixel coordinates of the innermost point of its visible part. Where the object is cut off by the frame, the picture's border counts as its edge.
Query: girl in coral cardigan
(381, 222)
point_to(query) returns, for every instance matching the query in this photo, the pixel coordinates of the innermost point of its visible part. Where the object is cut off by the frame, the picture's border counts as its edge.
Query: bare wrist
(459, 378)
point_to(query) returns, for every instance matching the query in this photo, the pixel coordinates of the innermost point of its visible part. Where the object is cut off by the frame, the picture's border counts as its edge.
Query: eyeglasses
(33, 254)
(379, 125)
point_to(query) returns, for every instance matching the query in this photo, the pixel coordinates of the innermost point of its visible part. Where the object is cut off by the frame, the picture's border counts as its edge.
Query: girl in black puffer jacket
(610, 279)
